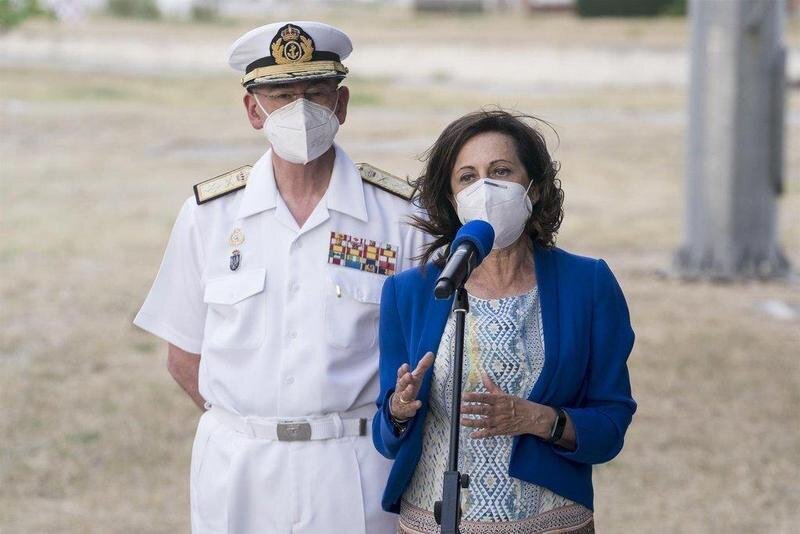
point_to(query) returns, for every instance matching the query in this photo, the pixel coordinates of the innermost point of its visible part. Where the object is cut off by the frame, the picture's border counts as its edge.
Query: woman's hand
(497, 414)
(403, 403)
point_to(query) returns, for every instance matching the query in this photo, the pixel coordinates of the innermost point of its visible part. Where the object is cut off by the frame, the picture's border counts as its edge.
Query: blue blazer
(588, 338)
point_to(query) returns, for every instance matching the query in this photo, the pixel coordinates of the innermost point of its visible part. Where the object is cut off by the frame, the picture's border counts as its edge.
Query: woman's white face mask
(301, 131)
(503, 204)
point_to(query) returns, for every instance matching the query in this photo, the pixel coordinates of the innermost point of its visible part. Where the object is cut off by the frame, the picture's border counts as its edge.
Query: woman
(546, 392)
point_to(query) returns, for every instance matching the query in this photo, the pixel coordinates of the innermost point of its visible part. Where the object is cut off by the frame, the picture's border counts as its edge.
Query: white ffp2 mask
(301, 131)
(503, 204)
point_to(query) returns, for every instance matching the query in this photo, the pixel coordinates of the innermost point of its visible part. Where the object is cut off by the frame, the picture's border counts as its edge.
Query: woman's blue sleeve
(602, 419)
(393, 354)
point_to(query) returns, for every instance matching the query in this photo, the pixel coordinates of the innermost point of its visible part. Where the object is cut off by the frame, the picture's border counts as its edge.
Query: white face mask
(503, 204)
(301, 131)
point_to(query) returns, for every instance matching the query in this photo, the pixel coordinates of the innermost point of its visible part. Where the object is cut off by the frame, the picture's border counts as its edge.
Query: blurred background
(110, 110)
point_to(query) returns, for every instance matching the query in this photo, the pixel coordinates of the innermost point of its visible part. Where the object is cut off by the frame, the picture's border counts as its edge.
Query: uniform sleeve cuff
(150, 324)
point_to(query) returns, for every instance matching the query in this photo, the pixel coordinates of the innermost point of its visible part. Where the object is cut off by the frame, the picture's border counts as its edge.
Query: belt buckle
(298, 431)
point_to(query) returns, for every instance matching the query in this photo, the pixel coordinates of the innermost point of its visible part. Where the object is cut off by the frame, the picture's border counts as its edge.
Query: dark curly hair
(441, 220)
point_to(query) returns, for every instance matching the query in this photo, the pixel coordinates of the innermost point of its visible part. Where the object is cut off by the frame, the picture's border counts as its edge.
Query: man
(268, 297)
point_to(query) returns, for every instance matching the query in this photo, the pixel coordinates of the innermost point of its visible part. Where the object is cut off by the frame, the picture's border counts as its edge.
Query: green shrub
(205, 13)
(675, 8)
(630, 8)
(13, 12)
(134, 9)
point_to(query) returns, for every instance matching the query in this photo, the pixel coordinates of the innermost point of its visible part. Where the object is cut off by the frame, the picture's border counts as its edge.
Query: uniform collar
(345, 192)
(261, 192)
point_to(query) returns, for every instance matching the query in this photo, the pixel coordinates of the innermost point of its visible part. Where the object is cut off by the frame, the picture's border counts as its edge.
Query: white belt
(329, 426)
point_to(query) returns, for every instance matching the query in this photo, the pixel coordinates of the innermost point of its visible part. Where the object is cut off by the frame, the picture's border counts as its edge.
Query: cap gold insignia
(292, 46)
(237, 238)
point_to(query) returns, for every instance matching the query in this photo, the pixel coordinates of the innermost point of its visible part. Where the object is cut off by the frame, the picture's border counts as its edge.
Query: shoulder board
(221, 185)
(388, 182)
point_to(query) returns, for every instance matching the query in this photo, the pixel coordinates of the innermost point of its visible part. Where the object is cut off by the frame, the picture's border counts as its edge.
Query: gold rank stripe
(272, 71)
(388, 182)
(221, 185)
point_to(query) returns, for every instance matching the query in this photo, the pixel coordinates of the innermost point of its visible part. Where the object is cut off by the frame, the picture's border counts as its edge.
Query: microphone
(472, 243)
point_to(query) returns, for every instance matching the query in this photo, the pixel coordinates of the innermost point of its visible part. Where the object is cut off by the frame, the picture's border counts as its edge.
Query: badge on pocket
(236, 260)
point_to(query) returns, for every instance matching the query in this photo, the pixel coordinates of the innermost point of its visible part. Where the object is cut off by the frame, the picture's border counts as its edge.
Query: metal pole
(735, 141)
(448, 511)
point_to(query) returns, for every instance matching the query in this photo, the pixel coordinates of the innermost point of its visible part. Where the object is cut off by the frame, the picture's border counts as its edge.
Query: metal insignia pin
(236, 260)
(237, 237)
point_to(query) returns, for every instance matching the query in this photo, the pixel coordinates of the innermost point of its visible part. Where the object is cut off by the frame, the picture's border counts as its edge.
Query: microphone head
(480, 234)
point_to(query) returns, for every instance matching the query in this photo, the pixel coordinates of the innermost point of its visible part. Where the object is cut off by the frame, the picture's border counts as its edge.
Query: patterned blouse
(504, 338)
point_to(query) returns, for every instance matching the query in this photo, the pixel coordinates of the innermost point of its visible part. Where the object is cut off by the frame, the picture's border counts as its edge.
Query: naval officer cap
(285, 52)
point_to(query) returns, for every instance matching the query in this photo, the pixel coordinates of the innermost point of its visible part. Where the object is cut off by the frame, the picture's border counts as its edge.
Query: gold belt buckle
(299, 431)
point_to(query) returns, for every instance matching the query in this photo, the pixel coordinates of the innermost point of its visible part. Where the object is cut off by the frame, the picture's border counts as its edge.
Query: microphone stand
(448, 511)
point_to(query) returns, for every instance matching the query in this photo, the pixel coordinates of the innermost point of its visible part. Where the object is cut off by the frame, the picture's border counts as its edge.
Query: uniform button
(288, 380)
(295, 287)
(293, 335)
(298, 244)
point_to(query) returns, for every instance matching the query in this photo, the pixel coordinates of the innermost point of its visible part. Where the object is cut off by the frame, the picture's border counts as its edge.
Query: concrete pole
(735, 142)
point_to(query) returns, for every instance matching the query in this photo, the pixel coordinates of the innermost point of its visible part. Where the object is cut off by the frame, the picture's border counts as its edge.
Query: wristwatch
(398, 425)
(558, 426)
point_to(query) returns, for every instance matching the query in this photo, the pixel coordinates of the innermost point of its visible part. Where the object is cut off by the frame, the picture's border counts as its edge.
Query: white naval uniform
(285, 335)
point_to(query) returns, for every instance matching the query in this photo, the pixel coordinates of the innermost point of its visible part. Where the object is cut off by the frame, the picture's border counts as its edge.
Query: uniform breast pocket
(352, 301)
(236, 310)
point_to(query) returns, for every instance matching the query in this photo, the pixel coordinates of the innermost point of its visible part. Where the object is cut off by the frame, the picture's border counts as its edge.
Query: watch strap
(398, 425)
(558, 426)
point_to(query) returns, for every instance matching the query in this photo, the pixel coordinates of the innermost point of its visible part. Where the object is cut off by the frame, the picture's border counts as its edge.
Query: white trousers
(244, 485)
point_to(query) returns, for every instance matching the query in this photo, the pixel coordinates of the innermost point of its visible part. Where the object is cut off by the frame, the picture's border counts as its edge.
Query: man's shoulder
(221, 185)
(216, 200)
(385, 184)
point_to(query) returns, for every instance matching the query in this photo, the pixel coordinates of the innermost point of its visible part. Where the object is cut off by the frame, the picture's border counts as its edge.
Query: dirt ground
(94, 164)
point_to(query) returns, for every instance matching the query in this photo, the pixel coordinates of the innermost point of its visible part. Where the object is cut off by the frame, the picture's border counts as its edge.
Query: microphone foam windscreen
(479, 233)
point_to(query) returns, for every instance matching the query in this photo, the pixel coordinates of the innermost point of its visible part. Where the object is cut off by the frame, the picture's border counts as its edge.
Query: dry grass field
(94, 164)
